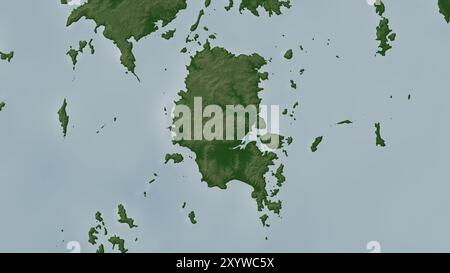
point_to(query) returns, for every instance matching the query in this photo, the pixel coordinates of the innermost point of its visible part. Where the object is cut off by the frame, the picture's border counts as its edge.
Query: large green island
(222, 78)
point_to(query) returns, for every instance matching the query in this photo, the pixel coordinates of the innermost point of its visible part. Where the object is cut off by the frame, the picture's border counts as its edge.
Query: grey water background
(348, 193)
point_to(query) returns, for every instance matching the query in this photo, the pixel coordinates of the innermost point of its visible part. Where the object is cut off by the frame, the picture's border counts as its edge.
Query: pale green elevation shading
(95, 231)
(289, 140)
(101, 249)
(279, 175)
(293, 84)
(230, 5)
(444, 9)
(92, 236)
(316, 143)
(344, 122)
(91, 46)
(123, 218)
(117, 241)
(168, 34)
(124, 20)
(195, 25)
(177, 158)
(191, 217)
(264, 219)
(7, 56)
(73, 53)
(379, 140)
(289, 54)
(100, 230)
(270, 6)
(384, 33)
(63, 117)
(221, 78)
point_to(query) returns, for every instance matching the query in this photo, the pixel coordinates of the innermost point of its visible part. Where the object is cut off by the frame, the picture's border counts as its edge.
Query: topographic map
(224, 125)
